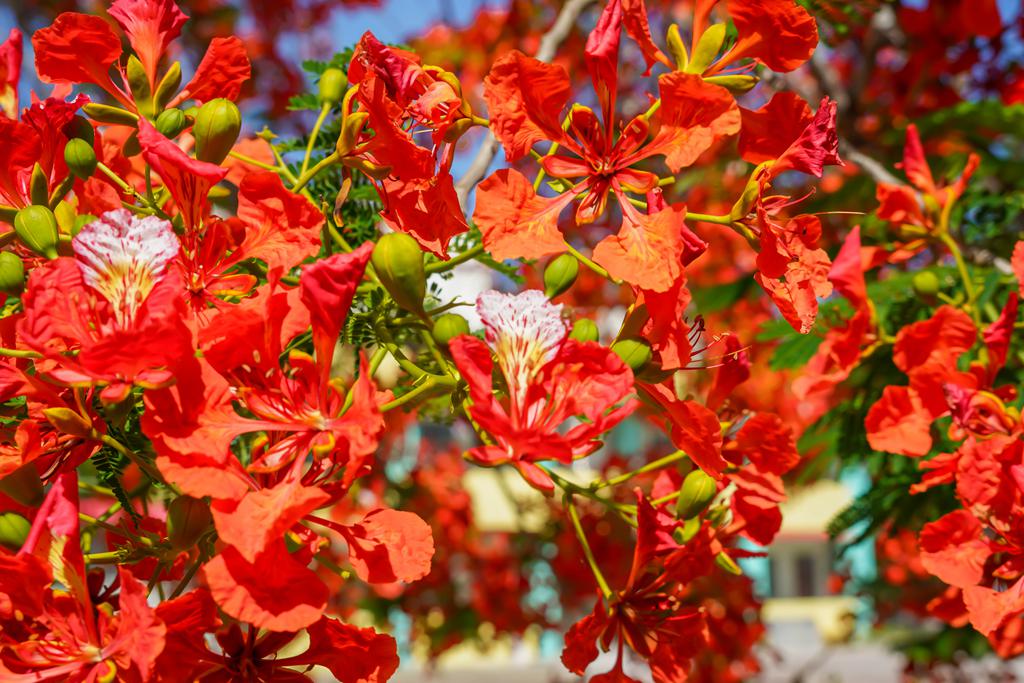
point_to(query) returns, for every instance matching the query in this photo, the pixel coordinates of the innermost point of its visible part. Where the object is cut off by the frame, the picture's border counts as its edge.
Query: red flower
(116, 303)
(526, 97)
(647, 615)
(550, 379)
(67, 634)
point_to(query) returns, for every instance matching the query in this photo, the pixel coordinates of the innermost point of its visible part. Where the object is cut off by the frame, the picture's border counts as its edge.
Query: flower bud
(188, 519)
(218, 123)
(398, 262)
(728, 564)
(39, 186)
(23, 486)
(113, 115)
(79, 127)
(138, 81)
(448, 327)
(13, 530)
(707, 49)
(332, 86)
(80, 158)
(676, 47)
(560, 275)
(351, 127)
(737, 84)
(171, 122)
(926, 284)
(685, 533)
(36, 227)
(636, 353)
(168, 86)
(12, 273)
(585, 330)
(698, 490)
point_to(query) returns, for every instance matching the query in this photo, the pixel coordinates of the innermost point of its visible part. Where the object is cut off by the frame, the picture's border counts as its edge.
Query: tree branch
(549, 43)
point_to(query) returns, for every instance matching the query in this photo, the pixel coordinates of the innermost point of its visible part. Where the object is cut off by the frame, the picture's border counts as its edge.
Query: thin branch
(549, 44)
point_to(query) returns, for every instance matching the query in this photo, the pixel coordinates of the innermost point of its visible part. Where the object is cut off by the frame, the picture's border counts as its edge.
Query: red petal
(768, 131)
(779, 33)
(525, 98)
(262, 517)
(693, 116)
(353, 655)
(942, 339)
(151, 26)
(768, 442)
(899, 423)
(915, 165)
(953, 550)
(514, 220)
(817, 146)
(76, 48)
(275, 592)
(647, 250)
(140, 632)
(283, 227)
(188, 180)
(225, 67)
(390, 545)
(327, 288)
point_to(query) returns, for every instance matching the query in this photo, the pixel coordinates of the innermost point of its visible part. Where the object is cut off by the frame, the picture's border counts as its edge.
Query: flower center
(123, 256)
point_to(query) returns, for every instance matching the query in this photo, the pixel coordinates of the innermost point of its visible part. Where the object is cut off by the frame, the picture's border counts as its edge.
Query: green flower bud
(138, 81)
(188, 519)
(707, 49)
(926, 284)
(398, 262)
(80, 158)
(737, 84)
(585, 330)
(131, 146)
(39, 186)
(13, 530)
(636, 353)
(218, 123)
(171, 122)
(79, 127)
(698, 490)
(560, 275)
(676, 47)
(36, 227)
(23, 486)
(12, 273)
(168, 86)
(685, 533)
(448, 327)
(332, 86)
(728, 564)
(107, 114)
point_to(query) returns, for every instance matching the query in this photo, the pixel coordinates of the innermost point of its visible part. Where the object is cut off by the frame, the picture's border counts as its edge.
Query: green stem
(961, 267)
(307, 176)
(143, 464)
(574, 515)
(19, 353)
(257, 163)
(313, 136)
(111, 557)
(649, 467)
(428, 385)
(709, 218)
(590, 264)
(441, 266)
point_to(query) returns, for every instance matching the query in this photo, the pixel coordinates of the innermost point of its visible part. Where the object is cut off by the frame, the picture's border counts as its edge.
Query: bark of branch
(549, 43)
